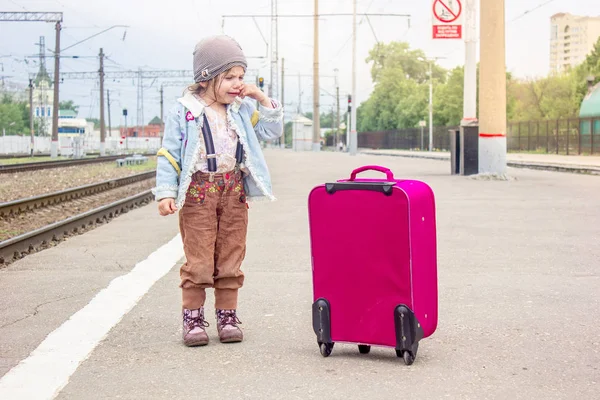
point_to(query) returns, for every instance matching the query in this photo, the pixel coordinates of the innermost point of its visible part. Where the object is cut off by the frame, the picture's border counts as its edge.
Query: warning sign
(447, 19)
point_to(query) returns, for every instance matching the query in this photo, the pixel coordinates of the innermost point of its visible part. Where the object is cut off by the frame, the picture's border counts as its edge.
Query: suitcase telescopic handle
(389, 174)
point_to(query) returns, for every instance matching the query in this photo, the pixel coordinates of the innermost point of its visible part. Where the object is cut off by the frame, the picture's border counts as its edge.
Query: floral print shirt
(224, 139)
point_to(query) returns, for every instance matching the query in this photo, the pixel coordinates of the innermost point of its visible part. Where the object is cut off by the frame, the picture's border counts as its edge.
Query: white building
(302, 133)
(572, 38)
(43, 102)
(71, 126)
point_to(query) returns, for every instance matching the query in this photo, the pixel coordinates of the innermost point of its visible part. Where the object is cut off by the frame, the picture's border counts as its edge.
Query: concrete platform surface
(519, 280)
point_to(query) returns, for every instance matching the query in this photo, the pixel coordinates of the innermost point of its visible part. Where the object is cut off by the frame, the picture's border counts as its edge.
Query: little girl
(210, 165)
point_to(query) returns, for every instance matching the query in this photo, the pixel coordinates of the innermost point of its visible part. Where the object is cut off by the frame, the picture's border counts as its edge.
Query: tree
(400, 97)
(399, 55)
(592, 61)
(68, 105)
(552, 97)
(396, 102)
(96, 122)
(288, 131)
(590, 68)
(14, 116)
(448, 99)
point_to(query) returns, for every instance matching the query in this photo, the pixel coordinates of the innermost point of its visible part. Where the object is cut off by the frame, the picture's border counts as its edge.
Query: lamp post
(430, 61)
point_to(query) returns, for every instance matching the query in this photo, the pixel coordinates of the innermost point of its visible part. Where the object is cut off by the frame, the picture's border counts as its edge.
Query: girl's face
(226, 87)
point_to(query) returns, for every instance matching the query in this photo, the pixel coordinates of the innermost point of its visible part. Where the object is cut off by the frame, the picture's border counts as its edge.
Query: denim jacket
(182, 138)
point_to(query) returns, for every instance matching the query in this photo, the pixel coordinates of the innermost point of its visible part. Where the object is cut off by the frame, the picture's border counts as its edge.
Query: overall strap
(211, 157)
(239, 152)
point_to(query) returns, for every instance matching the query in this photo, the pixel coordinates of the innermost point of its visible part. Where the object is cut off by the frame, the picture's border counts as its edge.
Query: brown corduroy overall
(213, 223)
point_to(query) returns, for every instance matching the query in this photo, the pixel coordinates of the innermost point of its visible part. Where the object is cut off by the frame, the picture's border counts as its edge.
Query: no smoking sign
(447, 19)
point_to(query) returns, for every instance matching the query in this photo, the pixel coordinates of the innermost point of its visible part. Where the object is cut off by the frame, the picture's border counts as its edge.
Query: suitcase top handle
(386, 171)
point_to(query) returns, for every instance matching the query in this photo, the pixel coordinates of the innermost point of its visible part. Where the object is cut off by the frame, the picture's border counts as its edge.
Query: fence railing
(66, 145)
(566, 136)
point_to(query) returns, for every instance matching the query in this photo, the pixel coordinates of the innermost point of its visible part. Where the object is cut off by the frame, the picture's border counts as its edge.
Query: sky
(161, 35)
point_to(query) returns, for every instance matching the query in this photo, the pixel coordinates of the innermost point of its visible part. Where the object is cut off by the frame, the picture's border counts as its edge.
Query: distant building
(69, 125)
(302, 133)
(43, 101)
(153, 129)
(589, 115)
(572, 38)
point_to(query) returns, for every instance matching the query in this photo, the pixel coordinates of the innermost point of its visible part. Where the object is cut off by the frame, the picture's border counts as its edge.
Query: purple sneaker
(193, 327)
(227, 326)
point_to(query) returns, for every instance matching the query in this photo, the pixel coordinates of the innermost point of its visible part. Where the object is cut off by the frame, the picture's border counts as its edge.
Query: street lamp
(430, 61)
(4, 129)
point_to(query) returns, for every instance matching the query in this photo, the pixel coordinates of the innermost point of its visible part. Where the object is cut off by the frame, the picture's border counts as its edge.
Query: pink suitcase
(373, 245)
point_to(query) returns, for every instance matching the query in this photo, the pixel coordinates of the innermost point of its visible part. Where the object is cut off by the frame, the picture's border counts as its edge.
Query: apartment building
(572, 38)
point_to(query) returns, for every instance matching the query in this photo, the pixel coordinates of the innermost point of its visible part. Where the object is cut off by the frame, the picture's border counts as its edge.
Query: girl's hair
(196, 88)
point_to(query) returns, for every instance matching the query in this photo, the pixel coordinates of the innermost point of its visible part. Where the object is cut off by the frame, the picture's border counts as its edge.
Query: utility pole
(299, 94)
(31, 115)
(162, 123)
(108, 104)
(492, 89)
(274, 51)
(353, 136)
(54, 144)
(430, 106)
(140, 95)
(430, 61)
(126, 134)
(56, 17)
(46, 17)
(337, 118)
(316, 92)
(282, 144)
(348, 115)
(102, 125)
(470, 83)
(163, 85)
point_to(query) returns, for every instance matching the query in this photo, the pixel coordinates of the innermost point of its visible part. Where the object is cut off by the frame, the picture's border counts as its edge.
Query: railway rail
(33, 166)
(19, 246)
(12, 208)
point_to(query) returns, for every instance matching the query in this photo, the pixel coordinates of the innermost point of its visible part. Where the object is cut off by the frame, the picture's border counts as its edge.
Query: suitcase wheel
(326, 349)
(408, 357)
(364, 349)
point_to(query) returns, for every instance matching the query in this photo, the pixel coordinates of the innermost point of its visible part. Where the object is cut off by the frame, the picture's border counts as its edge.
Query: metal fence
(567, 136)
(21, 144)
(406, 139)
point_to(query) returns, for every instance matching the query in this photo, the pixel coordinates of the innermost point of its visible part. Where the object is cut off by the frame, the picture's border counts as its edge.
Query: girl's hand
(252, 91)
(166, 206)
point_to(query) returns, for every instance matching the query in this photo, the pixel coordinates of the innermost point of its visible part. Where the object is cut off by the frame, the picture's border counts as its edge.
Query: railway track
(31, 224)
(33, 166)
(22, 155)
(15, 207)
(19, 246)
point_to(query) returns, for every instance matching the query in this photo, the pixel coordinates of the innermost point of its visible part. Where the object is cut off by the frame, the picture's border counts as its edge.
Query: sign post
(447, 19)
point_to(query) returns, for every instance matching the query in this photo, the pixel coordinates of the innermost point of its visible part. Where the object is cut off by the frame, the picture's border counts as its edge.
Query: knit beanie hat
(216, 54)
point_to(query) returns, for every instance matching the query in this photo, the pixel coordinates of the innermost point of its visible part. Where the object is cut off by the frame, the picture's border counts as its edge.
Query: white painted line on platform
(48, 368)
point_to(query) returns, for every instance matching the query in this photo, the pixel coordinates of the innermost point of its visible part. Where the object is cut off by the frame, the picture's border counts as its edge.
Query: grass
(150, 165)
(7, 233)
(537, 151)
(12, 161)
